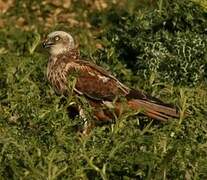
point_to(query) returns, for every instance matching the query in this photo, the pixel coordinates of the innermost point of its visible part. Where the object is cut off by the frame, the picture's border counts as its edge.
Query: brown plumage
(67, 73)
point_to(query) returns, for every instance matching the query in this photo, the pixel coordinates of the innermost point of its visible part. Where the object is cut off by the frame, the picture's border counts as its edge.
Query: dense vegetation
(158, 46)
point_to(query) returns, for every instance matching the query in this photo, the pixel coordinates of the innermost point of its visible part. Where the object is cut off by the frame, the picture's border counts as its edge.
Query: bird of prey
(67, 73)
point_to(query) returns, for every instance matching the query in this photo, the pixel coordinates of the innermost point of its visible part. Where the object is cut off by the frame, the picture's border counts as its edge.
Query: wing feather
(95, 82)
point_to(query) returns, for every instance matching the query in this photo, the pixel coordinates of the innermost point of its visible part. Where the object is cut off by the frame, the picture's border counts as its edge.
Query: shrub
(170, 44)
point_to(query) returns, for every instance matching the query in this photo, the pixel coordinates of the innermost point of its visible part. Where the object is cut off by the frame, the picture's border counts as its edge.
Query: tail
(153, 109)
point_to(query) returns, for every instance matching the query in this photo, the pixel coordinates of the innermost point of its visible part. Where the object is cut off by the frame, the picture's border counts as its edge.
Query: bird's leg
(88, 125)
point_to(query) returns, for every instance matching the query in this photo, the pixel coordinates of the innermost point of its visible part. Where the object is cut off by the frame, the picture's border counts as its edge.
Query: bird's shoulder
(88, 73)
(72, 60)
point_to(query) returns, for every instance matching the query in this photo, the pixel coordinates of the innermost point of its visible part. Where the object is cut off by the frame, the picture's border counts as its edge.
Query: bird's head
(59, 42)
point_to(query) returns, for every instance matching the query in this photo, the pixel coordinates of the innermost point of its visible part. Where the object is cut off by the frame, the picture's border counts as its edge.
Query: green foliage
(156, 48)
(170, 44)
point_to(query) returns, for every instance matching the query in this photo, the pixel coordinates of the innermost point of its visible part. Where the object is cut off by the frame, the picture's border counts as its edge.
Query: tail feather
(153, 110)
(157, 116)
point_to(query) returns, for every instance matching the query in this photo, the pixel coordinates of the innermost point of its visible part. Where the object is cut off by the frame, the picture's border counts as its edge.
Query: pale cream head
(59, 42)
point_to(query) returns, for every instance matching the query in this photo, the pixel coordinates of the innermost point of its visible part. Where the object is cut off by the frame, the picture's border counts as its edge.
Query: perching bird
(67, 73)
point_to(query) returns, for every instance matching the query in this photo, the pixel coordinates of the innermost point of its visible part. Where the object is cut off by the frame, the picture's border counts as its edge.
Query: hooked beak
(47, 43)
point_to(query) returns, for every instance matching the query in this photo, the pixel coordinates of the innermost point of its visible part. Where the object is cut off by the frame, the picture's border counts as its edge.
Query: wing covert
(95, 82)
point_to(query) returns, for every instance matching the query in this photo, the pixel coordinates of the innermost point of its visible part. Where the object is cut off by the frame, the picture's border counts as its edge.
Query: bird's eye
(57, 38)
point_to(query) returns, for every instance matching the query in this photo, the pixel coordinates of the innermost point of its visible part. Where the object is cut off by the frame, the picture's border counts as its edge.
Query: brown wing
(95, 82)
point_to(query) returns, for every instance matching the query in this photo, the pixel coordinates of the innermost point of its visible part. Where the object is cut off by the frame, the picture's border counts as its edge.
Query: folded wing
(94, 82)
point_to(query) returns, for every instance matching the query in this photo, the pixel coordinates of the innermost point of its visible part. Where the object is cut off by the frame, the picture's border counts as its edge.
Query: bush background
(159, 46)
